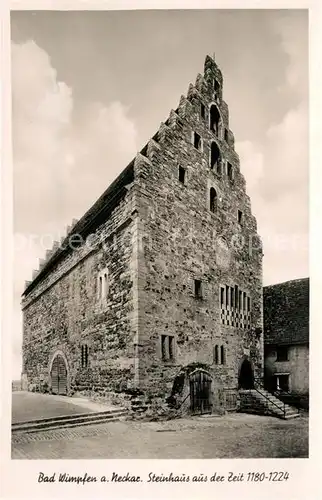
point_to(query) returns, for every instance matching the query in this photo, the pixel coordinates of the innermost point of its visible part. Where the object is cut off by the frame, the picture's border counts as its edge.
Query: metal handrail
(282, 408)
(277, 393)
(259, 382)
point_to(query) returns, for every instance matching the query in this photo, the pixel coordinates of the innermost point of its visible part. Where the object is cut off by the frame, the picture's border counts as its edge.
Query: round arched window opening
(215, 160)
(213, 200)
(214, 119)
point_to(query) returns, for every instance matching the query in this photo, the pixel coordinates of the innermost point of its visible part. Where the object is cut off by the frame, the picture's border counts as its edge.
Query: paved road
(231, 436)
(31, 406)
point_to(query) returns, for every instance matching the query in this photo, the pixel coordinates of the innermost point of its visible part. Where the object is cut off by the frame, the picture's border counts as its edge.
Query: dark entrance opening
(214, 119)
(59, 376)
(246, 375)
(200, 392)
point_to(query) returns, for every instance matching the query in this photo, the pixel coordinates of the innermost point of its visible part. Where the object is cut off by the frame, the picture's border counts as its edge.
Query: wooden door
(200, 392)
(59, 376)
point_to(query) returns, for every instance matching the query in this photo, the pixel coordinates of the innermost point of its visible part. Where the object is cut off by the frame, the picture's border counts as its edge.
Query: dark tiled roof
(286, 312)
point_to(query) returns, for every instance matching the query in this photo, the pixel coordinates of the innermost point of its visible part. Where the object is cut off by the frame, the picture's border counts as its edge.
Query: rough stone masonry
(161, 276)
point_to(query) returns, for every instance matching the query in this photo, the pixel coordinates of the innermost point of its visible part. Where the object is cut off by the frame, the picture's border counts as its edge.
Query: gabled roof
(286, 312)
(114, 193)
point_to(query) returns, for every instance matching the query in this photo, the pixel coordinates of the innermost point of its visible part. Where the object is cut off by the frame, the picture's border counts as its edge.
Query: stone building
(159, 284)
(286, 336)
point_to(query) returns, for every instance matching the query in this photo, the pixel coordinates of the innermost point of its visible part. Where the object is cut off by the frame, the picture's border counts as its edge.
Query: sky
(90, 88)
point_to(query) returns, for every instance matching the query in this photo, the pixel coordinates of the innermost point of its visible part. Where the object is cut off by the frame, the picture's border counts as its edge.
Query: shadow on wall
(180, 389)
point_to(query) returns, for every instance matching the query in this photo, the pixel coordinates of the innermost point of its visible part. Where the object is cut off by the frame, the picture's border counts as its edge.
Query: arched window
(222, 355)
(213, 200)
(215, 162)
(214, 119)
(102, 291)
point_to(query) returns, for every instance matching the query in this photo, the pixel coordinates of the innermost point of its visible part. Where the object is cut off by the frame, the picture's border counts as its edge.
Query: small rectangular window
(84, 355)
(102, 285)
(197, 141)
(229, 171)
(236, 296)
(202, 110)
(167, 347)
(182, 175)
(240, 217)
(222, 296)
(226, 135)
(227, 296)
(105, 285)
(216, 355)
(283, 382)
(232, 297)
(164, 347)
(244, 301)
(248, 304)
(171, 346)
(198, 289)
(282, 353)
(222, 355)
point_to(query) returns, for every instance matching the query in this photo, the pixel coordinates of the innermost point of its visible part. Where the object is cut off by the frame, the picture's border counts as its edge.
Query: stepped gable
(207, 87)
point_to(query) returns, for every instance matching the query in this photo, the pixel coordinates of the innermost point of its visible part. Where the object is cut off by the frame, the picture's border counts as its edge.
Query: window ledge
(168, 362)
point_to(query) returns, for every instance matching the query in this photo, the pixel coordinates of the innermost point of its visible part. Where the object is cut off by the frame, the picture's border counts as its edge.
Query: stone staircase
(65, 421)
(262, 402)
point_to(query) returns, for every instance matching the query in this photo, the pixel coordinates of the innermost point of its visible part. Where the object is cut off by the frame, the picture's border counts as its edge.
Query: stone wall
(286, 326)
(163, 240)
(64, 311)
(297, 366)
(182, 241)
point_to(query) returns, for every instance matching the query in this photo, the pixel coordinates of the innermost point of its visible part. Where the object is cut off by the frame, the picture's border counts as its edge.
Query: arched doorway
(200, 392)
(58, 375)
(246, 375)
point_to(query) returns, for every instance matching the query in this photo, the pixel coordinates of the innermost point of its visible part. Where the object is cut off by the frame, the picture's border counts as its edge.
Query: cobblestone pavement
(231, 436)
